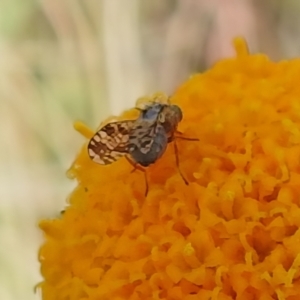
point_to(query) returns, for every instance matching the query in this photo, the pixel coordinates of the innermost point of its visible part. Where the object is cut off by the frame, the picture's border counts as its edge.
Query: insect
(142, 141)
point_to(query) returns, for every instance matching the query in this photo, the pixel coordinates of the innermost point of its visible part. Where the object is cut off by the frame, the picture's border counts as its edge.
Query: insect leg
(186, 138)
(136, 166)
(179, 135)
(177, 163)
(146, 183)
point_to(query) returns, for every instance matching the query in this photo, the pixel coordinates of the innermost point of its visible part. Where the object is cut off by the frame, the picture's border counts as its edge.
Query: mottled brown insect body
(143, 140)
(161, 121)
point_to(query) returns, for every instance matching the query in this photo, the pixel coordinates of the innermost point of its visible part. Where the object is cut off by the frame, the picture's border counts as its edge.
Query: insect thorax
(152, 112)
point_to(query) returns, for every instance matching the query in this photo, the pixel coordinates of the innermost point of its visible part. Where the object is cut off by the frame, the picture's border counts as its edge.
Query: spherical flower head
(231, 233)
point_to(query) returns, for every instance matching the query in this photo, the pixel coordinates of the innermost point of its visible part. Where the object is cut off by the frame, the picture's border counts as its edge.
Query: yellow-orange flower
(232, 233)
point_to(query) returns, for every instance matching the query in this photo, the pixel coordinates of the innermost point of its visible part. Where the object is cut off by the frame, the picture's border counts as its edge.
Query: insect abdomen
(154, 152)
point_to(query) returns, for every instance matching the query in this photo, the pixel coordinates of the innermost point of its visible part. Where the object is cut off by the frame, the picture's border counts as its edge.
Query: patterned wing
(110, 143)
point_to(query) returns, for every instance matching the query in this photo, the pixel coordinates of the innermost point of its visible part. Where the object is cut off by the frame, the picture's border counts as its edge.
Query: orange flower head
(231, 233)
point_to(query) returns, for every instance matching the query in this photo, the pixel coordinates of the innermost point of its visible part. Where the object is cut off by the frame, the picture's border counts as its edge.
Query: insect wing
(110, 143)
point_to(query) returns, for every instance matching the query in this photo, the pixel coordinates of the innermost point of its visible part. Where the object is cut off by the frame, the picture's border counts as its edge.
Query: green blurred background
(64, 60)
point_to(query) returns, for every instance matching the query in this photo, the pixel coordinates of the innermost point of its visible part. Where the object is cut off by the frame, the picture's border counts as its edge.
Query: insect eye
(178, 112)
